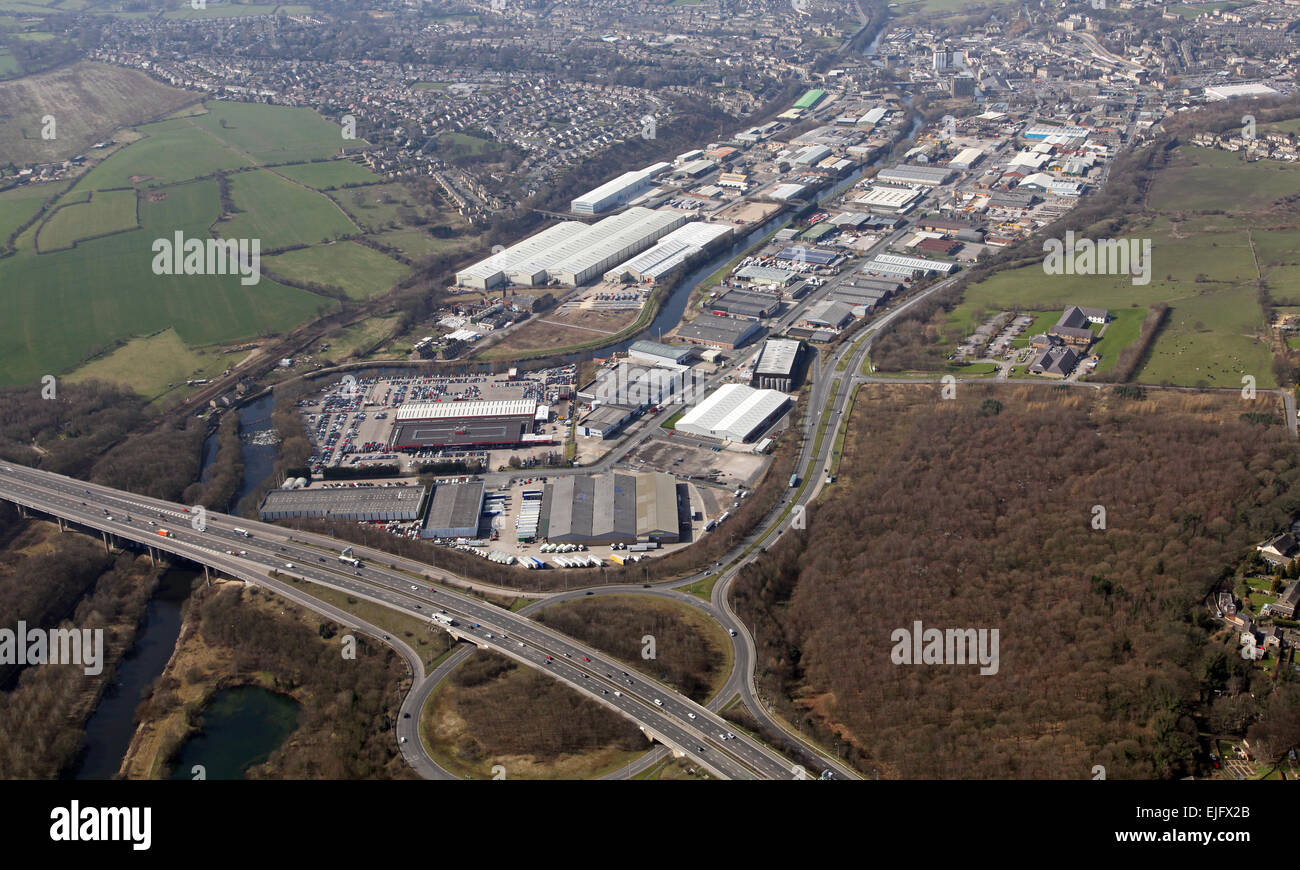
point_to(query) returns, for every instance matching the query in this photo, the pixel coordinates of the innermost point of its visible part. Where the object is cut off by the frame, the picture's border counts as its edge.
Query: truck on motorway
(443, 619)
(244, 532)
(794, 480)
(351, 560)
(164, 533)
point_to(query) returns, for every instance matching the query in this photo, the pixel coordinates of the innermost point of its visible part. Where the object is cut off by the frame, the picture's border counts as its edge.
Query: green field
(1206, 266)
(330, 174)
(377, 207)
(281, 213)
(101, 299)
(1206, 178)
(108, 211)
(150, 363)
(8, 63)
(64, 304)
(227, 136)
(18, 205)
(360, 271)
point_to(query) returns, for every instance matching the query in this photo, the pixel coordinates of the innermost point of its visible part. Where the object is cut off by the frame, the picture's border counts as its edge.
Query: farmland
(281, 213)
(93, 303)
(66, 305)
(1213, 247)
(357, 270)
(106, 212)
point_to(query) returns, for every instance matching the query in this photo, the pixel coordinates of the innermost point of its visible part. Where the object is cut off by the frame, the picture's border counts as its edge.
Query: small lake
(241, 728)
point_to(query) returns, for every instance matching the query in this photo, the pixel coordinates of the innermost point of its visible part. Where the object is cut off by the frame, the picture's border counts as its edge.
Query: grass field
(1205, 266)
(148, 364)
(63, 304)
(1207, 178)
(8, 63)
(360, 271)
(377, 207)
(281, 213)
(70, 303)
(18, 205)
(88, 101)
(328, 174)
(108, 211)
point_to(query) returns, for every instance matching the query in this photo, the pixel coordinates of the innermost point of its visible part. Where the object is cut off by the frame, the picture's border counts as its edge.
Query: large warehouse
(454, 511)
(573, 253)
(605, 508)
(421, 425)
(618, 191)
(673, 251)
(361, 503)
(734, 412)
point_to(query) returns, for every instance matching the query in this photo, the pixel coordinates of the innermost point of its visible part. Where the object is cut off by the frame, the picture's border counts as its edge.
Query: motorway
(686, 727)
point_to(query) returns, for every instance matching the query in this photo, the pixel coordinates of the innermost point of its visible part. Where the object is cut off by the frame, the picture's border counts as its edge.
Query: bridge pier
(106, 549)
(62, 527)
(207, 577)
(153, 557)
(22, 511)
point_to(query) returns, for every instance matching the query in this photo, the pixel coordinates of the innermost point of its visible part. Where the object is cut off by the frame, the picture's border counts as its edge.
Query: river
(110, 727)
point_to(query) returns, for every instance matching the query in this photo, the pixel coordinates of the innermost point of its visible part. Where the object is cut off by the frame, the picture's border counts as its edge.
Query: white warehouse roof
(733, 411)
(449, 410)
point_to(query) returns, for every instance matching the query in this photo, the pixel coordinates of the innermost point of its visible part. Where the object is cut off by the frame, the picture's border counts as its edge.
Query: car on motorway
(288, 564)
(413, 588)
(658, 703)
(731, 736)
(585, 659)
(417, 607)
(521, 643)
(403, 740)
(690, 715)
(722, 736)
(732, 631)
(617, 693)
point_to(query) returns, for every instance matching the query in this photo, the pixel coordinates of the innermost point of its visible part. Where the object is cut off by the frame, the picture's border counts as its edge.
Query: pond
(241, 728)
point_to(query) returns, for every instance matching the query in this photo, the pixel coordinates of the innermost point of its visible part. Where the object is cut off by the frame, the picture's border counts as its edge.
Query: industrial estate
(711, 389)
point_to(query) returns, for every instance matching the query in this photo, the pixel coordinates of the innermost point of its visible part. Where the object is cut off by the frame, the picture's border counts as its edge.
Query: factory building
(363, 503)
(734, 412)
(655, 352)
(421, 425)
(930, 176)
(745, 304)
(721, 332)
(614, 507)
(454, 511)
(618, 191)
(775, 368)
(638, 386)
